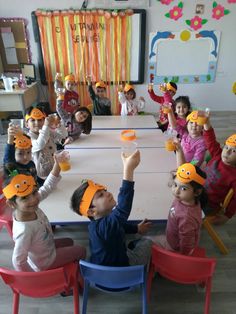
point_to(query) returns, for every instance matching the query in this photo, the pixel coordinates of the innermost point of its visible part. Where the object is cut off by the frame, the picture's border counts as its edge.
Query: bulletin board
(14, 46)
(183, 57)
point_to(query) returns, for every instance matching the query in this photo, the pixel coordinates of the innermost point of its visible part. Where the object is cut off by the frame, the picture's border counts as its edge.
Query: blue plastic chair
(113, 279)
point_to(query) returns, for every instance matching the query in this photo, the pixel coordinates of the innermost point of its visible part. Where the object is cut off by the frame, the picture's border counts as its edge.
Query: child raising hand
(108, 220)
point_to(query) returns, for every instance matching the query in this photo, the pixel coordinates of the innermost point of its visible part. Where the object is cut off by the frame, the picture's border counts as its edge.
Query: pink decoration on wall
(176, 12)
(218, 11)
(231, 1)
(196, 22)
(167, 2)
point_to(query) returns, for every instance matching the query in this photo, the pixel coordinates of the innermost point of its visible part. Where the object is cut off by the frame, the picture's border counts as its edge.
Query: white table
(152, 198)
(95, 161)
(111, 139)
(124, 122)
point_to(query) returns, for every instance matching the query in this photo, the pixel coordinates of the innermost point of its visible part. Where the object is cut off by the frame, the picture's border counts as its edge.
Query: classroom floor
(167, 297)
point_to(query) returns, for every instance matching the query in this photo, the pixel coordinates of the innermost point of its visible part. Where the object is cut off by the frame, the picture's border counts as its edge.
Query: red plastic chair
(5, 212)
(182, 269)
(42, 284)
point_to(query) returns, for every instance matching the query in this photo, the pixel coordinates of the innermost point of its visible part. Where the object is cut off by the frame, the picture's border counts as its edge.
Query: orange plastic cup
(201, 120)
(170, 145)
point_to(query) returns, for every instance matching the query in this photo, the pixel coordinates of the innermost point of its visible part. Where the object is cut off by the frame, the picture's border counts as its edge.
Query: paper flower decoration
(176, 12)
(218, 11)
(231, 1)
(167, 2)
(196, 22)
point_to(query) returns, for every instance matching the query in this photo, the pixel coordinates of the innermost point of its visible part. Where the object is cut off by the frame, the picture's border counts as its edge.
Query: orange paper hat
(22, 142)
(100, 84)
(193, 116)
(88, 196)
(231, 141)
(35, 114)
(128, 87)
(187, 173)
(21, 185)
(70, 77)
(170, 87)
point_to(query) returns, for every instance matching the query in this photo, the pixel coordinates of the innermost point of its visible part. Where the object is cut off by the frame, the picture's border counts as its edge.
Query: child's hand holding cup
(63, 158)
(170, 145)
(166, 108)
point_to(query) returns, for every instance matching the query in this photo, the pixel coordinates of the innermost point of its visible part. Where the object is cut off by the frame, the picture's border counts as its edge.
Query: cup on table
(63, 158)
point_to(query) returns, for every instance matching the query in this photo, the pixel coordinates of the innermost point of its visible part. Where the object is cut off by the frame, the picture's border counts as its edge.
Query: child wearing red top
(221, 174)
(169, 90)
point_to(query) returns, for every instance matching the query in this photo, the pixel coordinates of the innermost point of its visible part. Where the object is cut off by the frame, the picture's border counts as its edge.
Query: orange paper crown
(100, 84)
(35, 114)
(231, 140)
(88, 196)
(70, 77)
(21, 185)
(193, 116)
(128, 87)
(187, 173)
(22, 142)
(170, 87)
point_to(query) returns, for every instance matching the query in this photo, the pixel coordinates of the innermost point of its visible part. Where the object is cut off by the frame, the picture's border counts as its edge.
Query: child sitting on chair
(169, 90)
(185, 215)
(43, 139)
(35, 248)
(18, 152)
(221, 175)
(78, 122)
(70, 96)
(109, 220)
(101, 104)
(130, 106)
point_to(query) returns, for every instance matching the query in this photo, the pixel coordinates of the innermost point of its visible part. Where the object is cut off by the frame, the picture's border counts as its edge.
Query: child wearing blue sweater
(109, 224)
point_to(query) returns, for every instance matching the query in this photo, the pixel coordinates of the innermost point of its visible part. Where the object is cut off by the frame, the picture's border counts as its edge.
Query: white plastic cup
(19, 124)
(128, 148)
(63, 158)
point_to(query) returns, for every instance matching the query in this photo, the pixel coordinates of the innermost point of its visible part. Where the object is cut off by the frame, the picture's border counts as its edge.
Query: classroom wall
(217, 96)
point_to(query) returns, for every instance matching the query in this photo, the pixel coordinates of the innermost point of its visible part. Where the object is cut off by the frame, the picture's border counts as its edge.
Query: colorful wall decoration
(183, 57)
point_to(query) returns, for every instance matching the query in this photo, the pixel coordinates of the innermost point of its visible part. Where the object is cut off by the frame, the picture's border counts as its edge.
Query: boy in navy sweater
(109, 224)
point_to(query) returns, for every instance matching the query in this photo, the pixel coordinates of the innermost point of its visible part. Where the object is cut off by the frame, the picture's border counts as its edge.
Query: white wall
(216, 96)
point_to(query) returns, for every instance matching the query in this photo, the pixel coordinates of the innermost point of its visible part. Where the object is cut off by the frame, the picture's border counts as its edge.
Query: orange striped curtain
(86, 43)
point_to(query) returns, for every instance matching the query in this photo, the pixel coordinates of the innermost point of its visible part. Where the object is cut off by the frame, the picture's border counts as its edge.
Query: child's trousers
(67, 252)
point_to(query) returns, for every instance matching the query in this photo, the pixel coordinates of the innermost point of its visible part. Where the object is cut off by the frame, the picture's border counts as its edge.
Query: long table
(98, 157)
(111, 139)
(124, 122)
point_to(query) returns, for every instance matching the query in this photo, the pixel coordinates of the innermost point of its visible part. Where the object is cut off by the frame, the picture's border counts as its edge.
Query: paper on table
(11, 56)
(8, 40)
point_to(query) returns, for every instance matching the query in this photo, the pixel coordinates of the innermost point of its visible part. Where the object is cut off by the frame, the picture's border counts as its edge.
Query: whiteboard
(183, 57)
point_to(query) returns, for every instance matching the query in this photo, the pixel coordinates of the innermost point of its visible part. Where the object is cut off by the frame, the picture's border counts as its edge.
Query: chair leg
(149, 280)
(144, 298)
(215, 237)
(85, 297)
(16, 300)
(76, 298)
(207, 297)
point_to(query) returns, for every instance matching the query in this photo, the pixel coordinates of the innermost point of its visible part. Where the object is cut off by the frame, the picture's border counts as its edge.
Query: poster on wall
(194, 59)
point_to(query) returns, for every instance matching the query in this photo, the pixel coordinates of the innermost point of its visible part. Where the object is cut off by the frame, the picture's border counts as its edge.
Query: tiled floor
(167, 297)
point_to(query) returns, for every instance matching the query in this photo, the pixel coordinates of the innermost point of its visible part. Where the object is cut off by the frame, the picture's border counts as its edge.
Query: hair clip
(13, 173)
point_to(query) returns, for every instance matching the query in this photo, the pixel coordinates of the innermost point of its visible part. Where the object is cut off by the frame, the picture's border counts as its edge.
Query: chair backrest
(113, 277)
(40, 284)
(182, 268)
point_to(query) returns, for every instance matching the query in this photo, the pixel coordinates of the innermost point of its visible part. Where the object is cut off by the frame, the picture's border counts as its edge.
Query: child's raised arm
(180, 159)
(129, 164)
